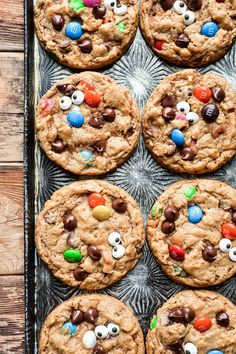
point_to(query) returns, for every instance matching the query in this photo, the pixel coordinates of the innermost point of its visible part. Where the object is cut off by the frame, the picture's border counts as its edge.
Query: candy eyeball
(78, 97)
(225, 245)
(183, 107)
(114, 238)
(101, 332)
(190, 348)
(179, 7)
(120, 9)
(232, 254)
(110, 4)
(188, 17)
(113, 329)
(192, 117)
(65, 103)
(89, 340)
(118, 251)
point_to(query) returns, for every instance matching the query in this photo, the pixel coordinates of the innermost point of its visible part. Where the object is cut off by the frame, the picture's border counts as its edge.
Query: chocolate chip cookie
(88, 124)
(192, 232)
(189, 33)
(91, 324)
(90, 234)
(189, 122)
(86, 34)
(194, 322)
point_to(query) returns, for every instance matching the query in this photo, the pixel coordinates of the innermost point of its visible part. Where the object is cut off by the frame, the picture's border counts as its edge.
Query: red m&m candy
(177, 253)
(96, 199)
(86, 85)
(202, 324)
(203, 94)
(158, 44)
(229, 231)
(92, 98)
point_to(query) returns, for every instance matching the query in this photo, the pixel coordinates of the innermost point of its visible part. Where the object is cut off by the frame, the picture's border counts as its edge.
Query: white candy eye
(89, 340)
(190, 348)
(65, 103)
(114, 238)
(179, 7)
(113, 329)
(120, 9)
(225, 245)
(232, 254)
(183, 107)
(192, 117)
(110, 4)
(118, 251)
(188, 17)
(78, 97)
(101, 332)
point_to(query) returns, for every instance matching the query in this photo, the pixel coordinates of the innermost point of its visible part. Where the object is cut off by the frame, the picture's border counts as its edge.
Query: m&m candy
(92, 98)
(75, 118)
(96, 199)
(74, 30)
(203, 94)
(194, 214)
(203, 324)
(209, 29)
(177, 137)
(229, 231)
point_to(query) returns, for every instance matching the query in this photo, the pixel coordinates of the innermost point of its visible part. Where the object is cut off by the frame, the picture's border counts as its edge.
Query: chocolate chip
(70, 222)
(80, 274)
(58, 22)
(218, 94)
(234, 216)
(98, 349)
(66, 89)
(182, 41)
(172, 149)
(168, 227)
(96, 121)
(187, 154)
(189, 314)
(168, 114)
(71, 240)
(194, 5)
(77, 317)
(58, 146)
(99, 145)
(169, 100)
(85, 46)
(171, 213)
(176, 315)
(210, 112)
(65, 46)
(209, 254)
(94, 253)
(130, 131)
(167, 4)
(91, 315)
(109, 114)
(177, 346)
(99, 11)
(222, 319)
(119, 205)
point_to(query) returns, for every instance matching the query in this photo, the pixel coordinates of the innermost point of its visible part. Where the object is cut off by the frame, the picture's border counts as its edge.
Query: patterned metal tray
(146, 287)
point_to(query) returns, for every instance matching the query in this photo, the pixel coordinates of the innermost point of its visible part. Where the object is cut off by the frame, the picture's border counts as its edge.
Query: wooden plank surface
(12, 314)
(12, 25)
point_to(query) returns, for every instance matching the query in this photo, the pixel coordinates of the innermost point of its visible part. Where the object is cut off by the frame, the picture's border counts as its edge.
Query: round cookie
(90, 234)
(189, 33)
(192, 232)
(194, 322)
(86, 34)
(88, 124)
(189, 122)
(91, 324)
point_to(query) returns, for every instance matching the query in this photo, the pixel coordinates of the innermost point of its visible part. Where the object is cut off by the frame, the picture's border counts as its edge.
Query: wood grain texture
(12, 25)
(11, 220)
(12, 314)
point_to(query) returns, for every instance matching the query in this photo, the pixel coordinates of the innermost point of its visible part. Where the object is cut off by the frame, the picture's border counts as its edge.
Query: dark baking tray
(146, 287)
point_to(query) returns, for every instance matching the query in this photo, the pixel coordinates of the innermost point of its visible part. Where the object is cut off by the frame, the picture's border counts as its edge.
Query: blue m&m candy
(75, 118)
(86, 155)
(209, 29)
(194, 214)
(69, 328)
(177, 137)
(74, 30)
(215, 351)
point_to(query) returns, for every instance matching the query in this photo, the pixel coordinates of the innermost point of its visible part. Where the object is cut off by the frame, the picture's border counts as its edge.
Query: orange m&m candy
(202, 324)
(229, 231)
(203, 94)
(86, 85)
(95, 199)
(92, 98)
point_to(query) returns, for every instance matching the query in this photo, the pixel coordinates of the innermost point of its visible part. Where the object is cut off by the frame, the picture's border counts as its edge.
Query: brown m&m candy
(70, 222)
(167, 227)
(209, 254)
(86, 46)
(168, 114)
(210, 112)
(98, 349)
(58, 22)
(222, 319)
(218, 94)
(119, 205)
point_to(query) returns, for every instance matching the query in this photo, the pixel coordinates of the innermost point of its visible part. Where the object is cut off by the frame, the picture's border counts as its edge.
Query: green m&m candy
(77, 4)
(121, 26)
(73, 256)
(190, 191)
(153, 322)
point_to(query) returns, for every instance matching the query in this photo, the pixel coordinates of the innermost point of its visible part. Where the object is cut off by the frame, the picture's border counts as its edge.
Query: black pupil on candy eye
(99, 334)
(74, 97)
(182, 5)
(182, 109)
(62, 101)
(112, 4)
(115, 249)
(235, 253)
(186, 17)
(187, 352)
(117, 239)
(114, 330)
(228, 246)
